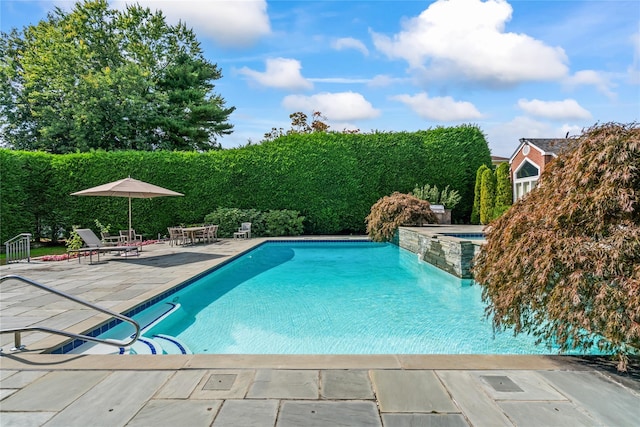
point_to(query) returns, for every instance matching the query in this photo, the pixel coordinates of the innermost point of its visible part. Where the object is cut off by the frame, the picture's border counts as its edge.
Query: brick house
(530, 159)
(496, 160)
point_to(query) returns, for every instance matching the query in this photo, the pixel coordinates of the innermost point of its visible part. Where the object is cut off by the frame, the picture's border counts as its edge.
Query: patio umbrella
(128, 187)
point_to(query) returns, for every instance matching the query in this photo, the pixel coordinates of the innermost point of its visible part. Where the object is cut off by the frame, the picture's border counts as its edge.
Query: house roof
(547, 146)
(498, 159)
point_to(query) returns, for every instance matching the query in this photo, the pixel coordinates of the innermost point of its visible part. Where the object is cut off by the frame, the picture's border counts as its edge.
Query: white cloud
(442, 109)
(339, 106)
(504, 138)
(229, 23)
(281, 73)
(350, 43)
(466, 39)
(338, 80)
(599, 80)
(382, 80)
(555, 110)
(571, 130)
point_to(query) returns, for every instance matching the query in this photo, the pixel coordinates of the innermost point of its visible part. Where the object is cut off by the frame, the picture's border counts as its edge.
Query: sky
(516, 69)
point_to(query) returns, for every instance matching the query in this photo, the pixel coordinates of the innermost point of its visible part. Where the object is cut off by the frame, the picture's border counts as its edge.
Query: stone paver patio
(269, 390)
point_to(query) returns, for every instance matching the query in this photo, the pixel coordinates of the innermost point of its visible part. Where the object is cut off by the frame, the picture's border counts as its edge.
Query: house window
(526, 179)
(527, 170)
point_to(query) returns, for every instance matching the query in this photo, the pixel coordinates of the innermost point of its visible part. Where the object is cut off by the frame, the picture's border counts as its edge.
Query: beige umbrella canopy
(128, 187)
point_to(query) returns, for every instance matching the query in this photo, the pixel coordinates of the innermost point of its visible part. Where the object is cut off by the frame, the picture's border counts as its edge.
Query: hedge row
(331, 179)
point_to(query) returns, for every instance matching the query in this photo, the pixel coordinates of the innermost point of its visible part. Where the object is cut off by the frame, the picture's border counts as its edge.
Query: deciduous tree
(564, 262)
(299, 124)
(96, 78)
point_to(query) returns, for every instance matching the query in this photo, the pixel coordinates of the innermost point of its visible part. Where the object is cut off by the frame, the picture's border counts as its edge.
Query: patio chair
(244, 232)
(130, 237)
(110, 240)
(208, 234)
(202, 235)
(92, 244)
(212, 232)
(176, 236)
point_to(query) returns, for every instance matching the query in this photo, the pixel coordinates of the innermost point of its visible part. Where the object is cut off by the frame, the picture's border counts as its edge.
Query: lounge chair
(93, 244)
(244, 232)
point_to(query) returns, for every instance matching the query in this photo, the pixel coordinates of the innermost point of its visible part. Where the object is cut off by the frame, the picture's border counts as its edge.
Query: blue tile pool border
(98, 330)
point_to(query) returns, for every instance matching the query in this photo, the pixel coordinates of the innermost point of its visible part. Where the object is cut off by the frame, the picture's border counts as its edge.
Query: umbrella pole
(129, 232)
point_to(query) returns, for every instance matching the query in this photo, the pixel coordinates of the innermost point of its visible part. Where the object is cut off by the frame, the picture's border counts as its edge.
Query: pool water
(335, 298)
(467, 236)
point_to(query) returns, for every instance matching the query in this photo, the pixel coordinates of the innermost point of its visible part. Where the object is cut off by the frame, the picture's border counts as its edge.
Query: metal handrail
(108, 341)
(18, 248)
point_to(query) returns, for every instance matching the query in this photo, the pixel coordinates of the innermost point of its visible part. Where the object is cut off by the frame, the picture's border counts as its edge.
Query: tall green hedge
(332, 179)
(16, 216)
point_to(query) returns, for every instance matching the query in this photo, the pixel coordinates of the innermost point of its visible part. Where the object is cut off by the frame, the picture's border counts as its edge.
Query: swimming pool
(334, 298)
(316, 297)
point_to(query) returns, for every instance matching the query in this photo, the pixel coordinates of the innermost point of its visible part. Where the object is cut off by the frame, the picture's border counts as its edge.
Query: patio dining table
(191, 232)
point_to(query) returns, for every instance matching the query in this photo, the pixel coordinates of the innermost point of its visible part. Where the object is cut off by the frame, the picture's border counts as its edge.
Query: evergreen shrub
(475, 213)
(271, 223)
(487, 196)
(504, 191)
(331, 179)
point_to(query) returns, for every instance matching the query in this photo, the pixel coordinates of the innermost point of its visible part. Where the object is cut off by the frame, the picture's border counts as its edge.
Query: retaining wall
(451, 254)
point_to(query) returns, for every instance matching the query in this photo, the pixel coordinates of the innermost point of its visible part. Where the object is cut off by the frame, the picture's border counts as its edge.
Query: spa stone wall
(451, 254)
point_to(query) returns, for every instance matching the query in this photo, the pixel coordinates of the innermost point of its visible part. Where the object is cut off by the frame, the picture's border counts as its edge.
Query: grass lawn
(37, 252)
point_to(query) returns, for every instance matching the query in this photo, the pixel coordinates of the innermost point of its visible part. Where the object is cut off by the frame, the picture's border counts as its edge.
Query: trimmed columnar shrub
(487, 196)
(496, 203)
(475, 213)
(504, 191)
(332, 179)
(390, 212)
(564, 262)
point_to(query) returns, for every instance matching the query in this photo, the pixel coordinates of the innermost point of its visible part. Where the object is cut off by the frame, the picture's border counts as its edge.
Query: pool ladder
(113, 342)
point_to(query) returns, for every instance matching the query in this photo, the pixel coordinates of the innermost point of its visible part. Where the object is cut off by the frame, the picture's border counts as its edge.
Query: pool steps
(171, 345)
(156, 344)
(143, 345)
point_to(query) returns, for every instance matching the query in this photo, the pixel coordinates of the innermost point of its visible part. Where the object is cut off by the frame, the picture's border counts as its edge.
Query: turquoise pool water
(335, 298)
